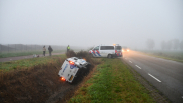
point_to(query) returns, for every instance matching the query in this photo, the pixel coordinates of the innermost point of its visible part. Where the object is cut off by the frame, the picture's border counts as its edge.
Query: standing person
(68, 48)
(50, 50)
(44, 50)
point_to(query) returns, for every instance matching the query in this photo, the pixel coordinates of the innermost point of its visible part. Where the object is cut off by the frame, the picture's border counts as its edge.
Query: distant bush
(70, 53)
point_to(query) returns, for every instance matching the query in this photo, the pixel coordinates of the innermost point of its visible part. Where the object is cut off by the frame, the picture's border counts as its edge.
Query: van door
(102, 51)
(96, 52)
(105, 50)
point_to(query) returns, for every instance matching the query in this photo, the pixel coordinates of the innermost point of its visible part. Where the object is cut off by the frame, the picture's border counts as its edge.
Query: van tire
(109, 56)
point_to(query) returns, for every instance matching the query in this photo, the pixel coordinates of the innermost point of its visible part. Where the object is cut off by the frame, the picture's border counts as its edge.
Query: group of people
(50, 50)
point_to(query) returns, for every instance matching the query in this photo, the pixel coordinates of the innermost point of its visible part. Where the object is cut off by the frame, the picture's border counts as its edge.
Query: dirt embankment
(37, 84)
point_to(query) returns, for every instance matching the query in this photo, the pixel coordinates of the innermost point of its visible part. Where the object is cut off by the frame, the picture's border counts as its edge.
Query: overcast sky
(90, 22)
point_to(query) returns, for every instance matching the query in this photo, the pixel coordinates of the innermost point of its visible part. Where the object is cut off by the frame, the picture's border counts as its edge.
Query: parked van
(109, 51)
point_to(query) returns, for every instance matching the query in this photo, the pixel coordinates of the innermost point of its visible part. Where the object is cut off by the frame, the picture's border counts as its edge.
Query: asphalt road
(165, 75)
(23, 57)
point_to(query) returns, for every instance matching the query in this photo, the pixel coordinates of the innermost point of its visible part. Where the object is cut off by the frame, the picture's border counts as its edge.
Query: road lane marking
(154, 77)
(137, 66)
(130, 61)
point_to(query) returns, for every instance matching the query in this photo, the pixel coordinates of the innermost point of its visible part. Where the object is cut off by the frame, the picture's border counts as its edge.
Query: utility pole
(1, 48)
(8, 48)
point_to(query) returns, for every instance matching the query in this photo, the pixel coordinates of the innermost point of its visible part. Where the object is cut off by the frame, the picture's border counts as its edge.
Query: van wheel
(109, 56)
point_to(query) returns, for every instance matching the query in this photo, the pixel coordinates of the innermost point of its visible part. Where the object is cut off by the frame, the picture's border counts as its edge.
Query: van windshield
(118, 47)
(96, 48)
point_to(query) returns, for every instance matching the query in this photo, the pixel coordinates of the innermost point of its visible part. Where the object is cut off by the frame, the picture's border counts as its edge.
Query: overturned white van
(73, 69)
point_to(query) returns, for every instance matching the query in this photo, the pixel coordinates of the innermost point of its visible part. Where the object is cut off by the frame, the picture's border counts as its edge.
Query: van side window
(96, 48)
(107, 48)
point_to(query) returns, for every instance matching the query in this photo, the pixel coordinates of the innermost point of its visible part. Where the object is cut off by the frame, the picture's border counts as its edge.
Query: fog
(90, 22)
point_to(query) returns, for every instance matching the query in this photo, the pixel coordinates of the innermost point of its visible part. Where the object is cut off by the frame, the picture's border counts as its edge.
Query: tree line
(174, 44)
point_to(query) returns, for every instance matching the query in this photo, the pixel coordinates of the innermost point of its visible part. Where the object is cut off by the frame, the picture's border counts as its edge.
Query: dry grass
(31, 85)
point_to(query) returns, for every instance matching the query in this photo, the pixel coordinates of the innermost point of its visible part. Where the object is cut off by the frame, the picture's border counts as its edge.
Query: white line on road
(137, 66)
(154, 77)
(130, 61)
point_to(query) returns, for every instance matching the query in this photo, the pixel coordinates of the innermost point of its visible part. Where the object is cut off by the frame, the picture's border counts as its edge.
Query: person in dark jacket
(44, 50)
(50, 50)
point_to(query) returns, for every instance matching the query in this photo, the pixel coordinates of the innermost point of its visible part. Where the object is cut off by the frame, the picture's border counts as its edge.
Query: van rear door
(118, 51)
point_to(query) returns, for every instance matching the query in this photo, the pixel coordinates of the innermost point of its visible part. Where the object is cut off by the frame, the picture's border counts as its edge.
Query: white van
(109, 51)
(73, 69)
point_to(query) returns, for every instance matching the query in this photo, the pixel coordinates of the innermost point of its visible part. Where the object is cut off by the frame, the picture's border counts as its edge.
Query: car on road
(109, 51)
(125, 49)
(73, 69)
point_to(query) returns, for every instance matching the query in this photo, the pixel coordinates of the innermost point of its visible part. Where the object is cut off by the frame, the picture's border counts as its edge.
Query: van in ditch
(73, 69)
(108, 51)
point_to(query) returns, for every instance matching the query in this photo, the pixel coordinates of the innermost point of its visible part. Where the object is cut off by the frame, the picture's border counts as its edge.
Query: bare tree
(150, 43)
(176, 44)
(163, 45)
(181, 45)
(169, 45)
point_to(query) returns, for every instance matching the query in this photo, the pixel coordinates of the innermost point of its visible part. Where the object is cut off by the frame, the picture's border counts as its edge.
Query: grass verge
(27, 63)
(112, 82)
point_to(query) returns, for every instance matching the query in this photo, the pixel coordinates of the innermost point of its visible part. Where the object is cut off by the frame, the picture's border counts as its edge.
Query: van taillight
(62, 78)
(71, 62)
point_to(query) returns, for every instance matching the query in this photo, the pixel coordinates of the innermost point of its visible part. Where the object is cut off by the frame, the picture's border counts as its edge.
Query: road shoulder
(156, 95)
